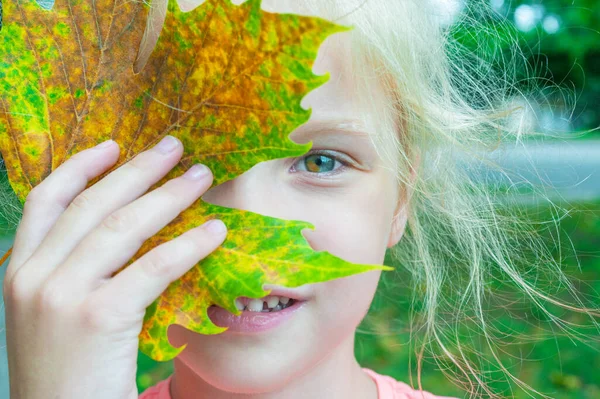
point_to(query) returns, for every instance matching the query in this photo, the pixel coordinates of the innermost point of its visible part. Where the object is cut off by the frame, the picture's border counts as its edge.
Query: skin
(354, 212)
(70, 327)
(61, 301)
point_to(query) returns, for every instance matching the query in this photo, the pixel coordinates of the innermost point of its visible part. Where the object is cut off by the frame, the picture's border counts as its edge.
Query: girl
(384, 129)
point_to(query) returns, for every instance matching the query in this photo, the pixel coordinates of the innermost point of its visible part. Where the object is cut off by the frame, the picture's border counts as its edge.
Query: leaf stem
(6, 255)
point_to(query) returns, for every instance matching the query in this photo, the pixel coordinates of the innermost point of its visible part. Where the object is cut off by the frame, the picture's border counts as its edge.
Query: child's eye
(319, 163)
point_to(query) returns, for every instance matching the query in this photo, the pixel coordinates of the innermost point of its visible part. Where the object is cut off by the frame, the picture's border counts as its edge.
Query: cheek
(352, 220)
(341, 304)
(354, 225)
(355, 229)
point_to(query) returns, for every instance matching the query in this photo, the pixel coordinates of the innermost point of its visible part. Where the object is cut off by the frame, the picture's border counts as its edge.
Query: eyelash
(344, 164)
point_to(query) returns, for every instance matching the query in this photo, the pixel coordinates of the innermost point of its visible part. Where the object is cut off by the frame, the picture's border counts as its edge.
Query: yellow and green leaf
(226, 80)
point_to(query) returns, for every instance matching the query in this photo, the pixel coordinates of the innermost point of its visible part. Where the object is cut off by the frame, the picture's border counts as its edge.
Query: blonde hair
(446, 99)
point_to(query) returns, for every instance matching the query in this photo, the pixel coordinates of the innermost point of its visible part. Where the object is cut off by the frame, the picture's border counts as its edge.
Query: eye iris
(314, 162)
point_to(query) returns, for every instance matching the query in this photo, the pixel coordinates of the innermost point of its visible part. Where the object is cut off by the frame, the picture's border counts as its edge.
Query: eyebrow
(332, 126)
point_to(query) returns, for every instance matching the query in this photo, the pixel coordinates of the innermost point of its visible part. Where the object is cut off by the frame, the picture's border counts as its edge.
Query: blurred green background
(563, 42)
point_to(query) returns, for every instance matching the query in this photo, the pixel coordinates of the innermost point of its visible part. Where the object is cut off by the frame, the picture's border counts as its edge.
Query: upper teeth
(272, 301)
(257, 305)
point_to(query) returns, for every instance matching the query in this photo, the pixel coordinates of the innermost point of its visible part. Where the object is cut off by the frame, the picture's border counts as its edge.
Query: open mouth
(267, 304)
(257, 314)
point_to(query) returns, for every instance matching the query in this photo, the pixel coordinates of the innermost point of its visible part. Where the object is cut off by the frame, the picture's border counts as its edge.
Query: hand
(72, 329)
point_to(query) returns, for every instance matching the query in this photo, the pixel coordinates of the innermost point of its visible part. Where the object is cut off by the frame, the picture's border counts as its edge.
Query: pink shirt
(387, 388)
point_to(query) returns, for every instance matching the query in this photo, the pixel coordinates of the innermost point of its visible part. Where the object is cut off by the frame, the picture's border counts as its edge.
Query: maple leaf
(226, 80)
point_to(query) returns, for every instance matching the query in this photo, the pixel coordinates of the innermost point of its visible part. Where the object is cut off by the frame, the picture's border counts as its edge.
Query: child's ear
(398, 225)
(401, 213)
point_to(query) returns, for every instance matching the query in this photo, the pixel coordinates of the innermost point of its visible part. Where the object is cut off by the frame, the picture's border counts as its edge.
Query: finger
(94, 204)
(138, 285)
(119, 237)
(49, 199)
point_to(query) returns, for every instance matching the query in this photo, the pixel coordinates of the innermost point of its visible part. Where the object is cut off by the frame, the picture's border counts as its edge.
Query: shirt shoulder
(389, 388)
(158, 391)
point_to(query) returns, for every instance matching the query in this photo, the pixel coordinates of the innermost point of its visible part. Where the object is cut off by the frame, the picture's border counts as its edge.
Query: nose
(252, 191)
(260, 190)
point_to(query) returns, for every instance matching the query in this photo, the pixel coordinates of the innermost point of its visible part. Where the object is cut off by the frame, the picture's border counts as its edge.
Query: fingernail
(215, 226)
(196, 172)
(167, 145)
(104, 144)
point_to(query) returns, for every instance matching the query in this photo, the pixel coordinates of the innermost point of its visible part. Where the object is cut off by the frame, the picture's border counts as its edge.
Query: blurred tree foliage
(529, 344)
(561, 44)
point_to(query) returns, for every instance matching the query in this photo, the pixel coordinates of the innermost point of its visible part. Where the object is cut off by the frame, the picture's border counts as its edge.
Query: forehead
(343, 96)
(338, 95)
(356, 97)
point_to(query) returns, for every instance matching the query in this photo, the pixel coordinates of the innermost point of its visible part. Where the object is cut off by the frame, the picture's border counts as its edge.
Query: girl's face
(351, 198)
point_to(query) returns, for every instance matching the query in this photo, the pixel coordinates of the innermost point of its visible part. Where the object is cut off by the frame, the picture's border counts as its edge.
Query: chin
(250, 379)
(313, 336)
(250, 363)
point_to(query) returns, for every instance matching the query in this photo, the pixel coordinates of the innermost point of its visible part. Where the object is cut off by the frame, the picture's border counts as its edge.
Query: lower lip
(251, 322)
